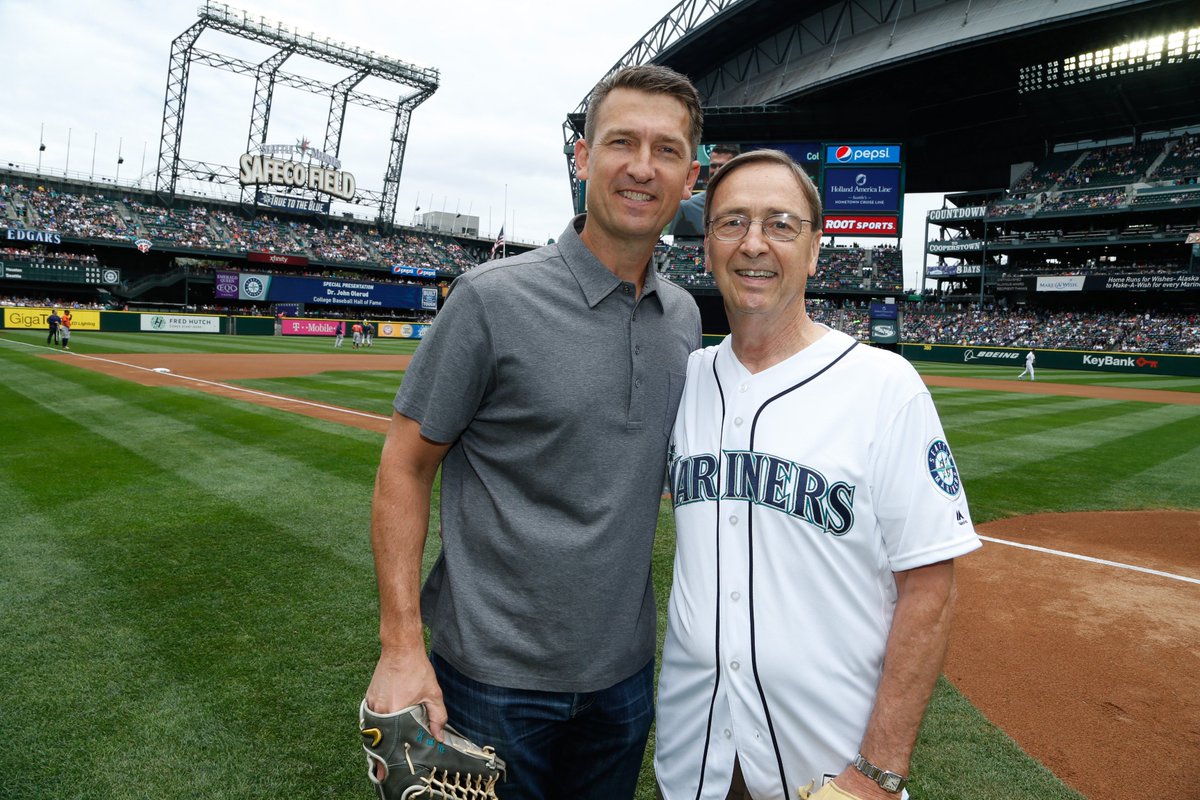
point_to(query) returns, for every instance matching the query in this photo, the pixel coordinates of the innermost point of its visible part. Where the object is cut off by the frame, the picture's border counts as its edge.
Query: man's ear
(581, 159)
(693, 174)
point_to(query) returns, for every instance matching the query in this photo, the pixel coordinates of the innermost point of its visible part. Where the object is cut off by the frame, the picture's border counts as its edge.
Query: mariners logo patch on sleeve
(942, 469)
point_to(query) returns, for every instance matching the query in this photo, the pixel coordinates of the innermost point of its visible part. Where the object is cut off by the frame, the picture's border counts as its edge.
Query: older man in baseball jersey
(546, 390)
(818, 511)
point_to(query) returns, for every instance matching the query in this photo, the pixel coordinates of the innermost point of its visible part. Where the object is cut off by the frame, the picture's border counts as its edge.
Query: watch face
(890, 782)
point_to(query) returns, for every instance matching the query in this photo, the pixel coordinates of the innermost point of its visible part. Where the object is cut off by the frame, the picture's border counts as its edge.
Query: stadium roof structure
(970, 87)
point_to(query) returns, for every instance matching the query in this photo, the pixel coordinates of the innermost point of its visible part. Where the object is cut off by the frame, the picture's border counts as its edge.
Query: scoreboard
(59, 272)
(861, 184)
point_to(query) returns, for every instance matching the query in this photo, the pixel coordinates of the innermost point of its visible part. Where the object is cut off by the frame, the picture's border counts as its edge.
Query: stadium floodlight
(1152, 52)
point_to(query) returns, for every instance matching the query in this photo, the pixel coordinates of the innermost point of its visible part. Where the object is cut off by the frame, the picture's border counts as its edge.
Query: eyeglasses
(777, 227)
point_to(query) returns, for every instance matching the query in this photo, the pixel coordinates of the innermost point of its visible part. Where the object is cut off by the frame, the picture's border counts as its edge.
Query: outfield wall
(1094, 361)
(34, 318)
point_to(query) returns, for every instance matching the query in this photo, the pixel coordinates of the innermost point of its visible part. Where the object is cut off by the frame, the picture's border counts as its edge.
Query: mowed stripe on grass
(199, 591)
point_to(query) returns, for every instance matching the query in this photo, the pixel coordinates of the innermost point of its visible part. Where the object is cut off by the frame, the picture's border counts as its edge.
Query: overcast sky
(489, 139)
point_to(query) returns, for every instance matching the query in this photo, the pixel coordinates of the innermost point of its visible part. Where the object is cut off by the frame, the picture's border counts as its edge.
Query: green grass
(187, 599)
(1173, 383)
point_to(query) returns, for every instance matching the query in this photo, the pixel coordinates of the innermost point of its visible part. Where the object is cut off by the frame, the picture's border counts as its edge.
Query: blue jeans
(557, 745)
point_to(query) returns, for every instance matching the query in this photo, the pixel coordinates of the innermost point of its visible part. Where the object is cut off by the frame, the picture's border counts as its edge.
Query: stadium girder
(421, 83)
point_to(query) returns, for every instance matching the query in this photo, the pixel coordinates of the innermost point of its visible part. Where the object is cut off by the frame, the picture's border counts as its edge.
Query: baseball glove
(412, 764)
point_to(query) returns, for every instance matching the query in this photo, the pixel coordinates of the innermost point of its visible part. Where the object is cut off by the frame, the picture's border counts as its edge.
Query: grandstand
(1086, 183)
(192, 240)
(1069, 133)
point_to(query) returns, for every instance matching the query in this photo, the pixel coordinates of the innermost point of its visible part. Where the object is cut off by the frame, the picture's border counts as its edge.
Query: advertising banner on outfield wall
(35, 318)
(311, 327)
(178, 323)
(1139, 363)
(403, 330)
(328, 327)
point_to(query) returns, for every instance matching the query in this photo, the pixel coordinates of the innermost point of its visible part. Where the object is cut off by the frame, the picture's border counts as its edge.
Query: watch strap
(888, 781)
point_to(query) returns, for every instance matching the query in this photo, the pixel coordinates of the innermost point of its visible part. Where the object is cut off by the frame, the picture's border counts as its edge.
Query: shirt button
(728, 733)
(737, 420)
(637, 349)
(733, 520)
(638, 383)
(745, 387)
(735, 666)
(735, 596)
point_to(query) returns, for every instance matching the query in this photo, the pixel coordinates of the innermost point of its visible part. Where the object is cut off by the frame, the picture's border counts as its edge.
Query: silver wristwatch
(888, 781)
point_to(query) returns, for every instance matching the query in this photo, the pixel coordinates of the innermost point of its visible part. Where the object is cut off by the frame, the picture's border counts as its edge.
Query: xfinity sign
(862, 154)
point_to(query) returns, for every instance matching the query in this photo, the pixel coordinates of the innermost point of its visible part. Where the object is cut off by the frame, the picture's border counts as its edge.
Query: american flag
(499, 243)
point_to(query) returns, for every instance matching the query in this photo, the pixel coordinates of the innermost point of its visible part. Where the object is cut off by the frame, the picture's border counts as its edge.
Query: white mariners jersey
(798, 491)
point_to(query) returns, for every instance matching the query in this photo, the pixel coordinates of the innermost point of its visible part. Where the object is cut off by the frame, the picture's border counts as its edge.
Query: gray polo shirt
(558, 388)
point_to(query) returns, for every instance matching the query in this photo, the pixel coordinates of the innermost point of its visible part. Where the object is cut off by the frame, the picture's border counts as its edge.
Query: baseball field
(187, 598)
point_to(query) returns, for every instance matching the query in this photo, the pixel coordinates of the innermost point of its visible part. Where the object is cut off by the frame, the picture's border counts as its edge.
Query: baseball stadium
(188, 598)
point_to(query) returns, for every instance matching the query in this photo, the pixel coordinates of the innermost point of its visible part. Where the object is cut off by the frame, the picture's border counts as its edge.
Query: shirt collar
(595, 279)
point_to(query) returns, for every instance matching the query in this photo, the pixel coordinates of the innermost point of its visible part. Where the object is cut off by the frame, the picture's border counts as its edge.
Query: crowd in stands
(85, 216)
(47, 302)
(199, 227)
(1182, 163)
(1053, 184)
(838, 268)
(41, 255)
(1090, 201)
(1108, 166)
(1142, 331)
(1128, 331)
(1166, 198)
(1097, 267)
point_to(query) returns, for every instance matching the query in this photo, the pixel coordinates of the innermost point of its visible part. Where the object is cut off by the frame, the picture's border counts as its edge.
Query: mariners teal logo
(942, 469)
(253, 287)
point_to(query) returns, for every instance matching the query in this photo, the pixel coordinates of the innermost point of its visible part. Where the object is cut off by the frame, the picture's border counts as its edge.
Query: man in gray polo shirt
(546, 389)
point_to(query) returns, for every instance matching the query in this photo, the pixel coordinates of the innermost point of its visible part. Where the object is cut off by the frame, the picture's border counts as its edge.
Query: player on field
(818, 512)
(1029, 359)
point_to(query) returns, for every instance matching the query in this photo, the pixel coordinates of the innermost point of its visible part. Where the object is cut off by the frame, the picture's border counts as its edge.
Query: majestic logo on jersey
(942, 468)
(768, 481)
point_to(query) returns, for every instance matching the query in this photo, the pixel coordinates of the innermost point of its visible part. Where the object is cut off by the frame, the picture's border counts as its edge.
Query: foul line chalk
(243, 389)
(1116, 564)
(230, 387)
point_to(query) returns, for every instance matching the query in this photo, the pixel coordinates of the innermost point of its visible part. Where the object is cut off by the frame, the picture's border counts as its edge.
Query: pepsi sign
(862, 154)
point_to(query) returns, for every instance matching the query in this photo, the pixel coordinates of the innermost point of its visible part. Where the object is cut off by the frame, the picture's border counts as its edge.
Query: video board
(862, 189)
(861, 184)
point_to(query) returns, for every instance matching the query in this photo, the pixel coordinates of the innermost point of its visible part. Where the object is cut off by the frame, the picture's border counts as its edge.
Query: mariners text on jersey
(768, 481)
